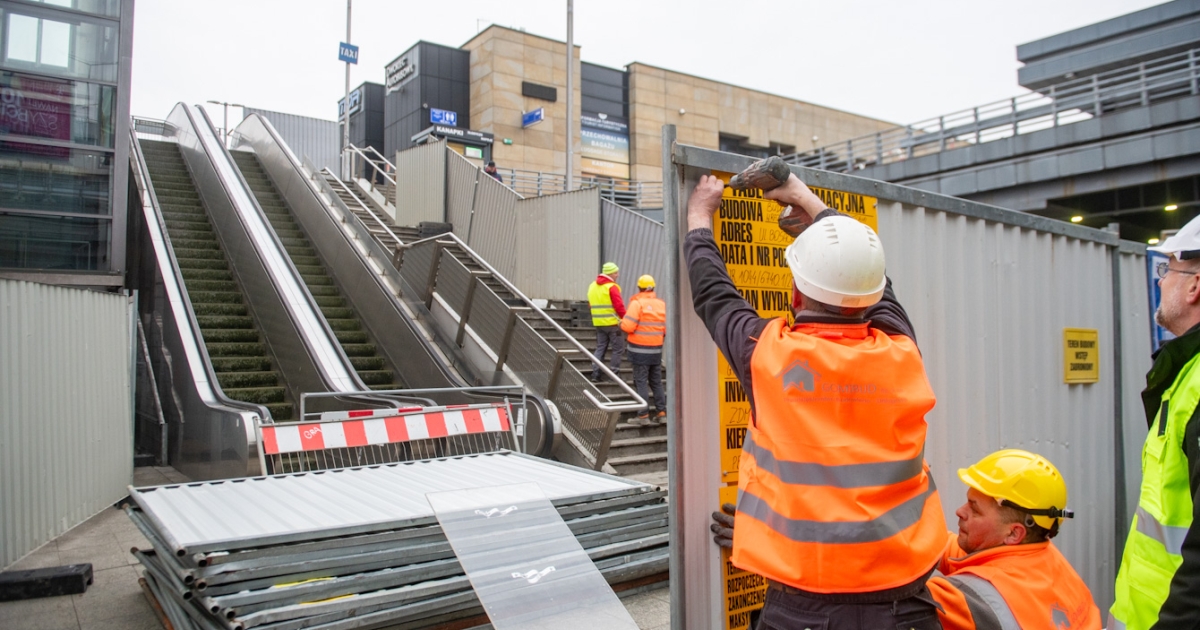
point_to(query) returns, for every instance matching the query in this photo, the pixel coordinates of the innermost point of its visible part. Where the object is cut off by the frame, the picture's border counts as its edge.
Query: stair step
(637, 446)
(639, 463)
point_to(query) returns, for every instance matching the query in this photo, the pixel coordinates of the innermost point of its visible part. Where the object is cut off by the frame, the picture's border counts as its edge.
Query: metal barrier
(1063, 103)
(475, 315)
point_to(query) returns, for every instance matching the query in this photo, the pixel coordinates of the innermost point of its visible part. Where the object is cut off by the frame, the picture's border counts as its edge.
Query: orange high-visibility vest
(645, 322)
(834, 495)
(1012, 586)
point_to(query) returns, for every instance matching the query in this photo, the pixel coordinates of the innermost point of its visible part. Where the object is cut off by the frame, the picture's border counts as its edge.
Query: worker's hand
(797, 194)
(705, 200)
(722, 528)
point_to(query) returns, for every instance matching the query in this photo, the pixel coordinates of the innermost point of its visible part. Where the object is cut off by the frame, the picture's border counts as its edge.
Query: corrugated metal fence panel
(421, 184)
(634, 242)
(559, 244)
(460, 191)
(66, 410)
(313, 138)
(495, 229)
(989, 303)
(1135, 362)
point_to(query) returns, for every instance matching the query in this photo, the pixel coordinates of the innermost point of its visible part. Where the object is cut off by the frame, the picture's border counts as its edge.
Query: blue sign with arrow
(534, 117)
(348, 53)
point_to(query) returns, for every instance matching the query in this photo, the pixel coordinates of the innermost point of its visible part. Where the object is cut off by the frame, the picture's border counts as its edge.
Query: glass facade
(59, 70)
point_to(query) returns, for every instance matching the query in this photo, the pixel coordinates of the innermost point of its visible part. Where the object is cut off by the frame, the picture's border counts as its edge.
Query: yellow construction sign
(744, 591)
(1081, 355)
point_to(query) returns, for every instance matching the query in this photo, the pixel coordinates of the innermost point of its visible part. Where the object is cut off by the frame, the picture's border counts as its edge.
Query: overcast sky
(900, 61)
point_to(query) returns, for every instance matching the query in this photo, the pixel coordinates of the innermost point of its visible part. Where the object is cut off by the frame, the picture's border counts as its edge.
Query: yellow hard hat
(1024, 481)
(646, 282)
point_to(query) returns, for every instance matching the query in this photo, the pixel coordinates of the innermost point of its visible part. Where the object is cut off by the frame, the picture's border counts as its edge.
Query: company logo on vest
(799, 377)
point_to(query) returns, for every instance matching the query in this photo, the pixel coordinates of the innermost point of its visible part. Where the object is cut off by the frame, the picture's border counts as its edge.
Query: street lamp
(225, 121)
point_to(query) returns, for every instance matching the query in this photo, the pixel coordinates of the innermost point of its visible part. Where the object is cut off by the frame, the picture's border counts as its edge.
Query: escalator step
(260, 395)
(358, 349)
(376, 377)
(206, 274)
(328, 301)
(199, 254)
(240, 364)
(326, 291)
(212, 285)
(240, 349)
(317, 280)
(351, 337)
(225, 321)
(220, 308)
(280, 410)
(203, 263)
(241, 380)
(367, 363)
(338, 312)
(338, 325)
(229, 335)
(185, 243)
(215, 297)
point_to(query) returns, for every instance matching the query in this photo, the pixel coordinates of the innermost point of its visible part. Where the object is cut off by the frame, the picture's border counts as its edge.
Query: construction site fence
(1085, 98)
(990, 293)
(66, 409)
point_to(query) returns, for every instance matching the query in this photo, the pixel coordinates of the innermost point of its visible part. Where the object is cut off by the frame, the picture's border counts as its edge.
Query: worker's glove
(722, 528)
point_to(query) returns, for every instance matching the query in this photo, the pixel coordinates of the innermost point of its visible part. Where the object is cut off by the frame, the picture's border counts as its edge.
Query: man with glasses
(1158, 585)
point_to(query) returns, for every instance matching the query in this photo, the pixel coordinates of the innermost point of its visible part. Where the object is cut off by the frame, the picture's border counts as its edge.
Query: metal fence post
(1192, 71)
(606, 441)
(849, 156)
(556, 372)
(1142, 84)
(1096, 96)
(941, 133)
(1053, 106)
(879, 147)
(1121, 500)
(1012, 115)
(509, 325)
(976, 125)
(434, 262)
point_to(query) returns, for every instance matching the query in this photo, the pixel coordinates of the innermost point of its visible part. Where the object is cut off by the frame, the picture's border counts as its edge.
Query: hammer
(770, 174)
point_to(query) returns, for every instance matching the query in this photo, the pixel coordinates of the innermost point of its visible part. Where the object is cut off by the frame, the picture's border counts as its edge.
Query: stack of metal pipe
(361, 547)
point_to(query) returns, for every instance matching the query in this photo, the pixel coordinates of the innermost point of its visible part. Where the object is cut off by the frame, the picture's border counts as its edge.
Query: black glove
(722, 528)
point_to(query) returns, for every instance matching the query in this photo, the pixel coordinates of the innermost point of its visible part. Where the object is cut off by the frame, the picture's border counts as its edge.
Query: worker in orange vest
(1001, 570)
(646, 324)
(836, 508)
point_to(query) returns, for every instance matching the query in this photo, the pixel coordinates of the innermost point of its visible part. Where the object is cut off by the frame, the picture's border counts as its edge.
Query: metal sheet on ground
(526, 567)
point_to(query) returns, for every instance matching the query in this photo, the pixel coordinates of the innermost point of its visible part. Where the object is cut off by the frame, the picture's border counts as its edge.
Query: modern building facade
(64, 153)
(502, 97)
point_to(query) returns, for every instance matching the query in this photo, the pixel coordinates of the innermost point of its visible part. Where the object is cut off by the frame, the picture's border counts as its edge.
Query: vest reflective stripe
(644, 349)
(646, 321)
(603, 311)
(843, 476)
(986, 603)
(880, 528)
(1170, 537)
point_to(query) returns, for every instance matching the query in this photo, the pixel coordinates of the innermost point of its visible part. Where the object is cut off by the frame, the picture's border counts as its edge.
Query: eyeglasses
(1162, 268)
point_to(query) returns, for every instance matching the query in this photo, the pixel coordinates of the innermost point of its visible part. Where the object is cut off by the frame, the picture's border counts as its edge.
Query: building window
(58, 43)
(57, 109)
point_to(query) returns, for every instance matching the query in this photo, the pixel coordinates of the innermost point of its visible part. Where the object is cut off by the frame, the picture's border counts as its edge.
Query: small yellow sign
(745, 592)
(1081, 355)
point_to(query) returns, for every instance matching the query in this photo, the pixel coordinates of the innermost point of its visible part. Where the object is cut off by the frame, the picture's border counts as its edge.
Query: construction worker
(1158, 585)
(1001, 570)
(604, 296)
(836, 508)
(646, 324)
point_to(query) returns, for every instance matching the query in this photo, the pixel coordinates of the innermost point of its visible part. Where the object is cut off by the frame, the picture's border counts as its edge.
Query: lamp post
(225, 120)
(570, 93)
(346, 120)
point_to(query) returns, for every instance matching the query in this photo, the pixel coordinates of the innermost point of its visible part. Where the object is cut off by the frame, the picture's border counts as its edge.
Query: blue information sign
(348, 53)
(443, 117)
(534, 117)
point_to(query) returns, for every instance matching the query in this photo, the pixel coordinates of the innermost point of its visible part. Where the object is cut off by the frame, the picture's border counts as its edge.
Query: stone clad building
(618, 115)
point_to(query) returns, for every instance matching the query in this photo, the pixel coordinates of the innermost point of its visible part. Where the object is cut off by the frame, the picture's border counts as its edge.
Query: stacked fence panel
(420, 184)
(461, 178)
(633, 241)
(560, 245)
(496, 232)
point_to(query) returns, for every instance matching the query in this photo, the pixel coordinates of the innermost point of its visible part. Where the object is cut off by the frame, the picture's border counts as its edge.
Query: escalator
(239, 356)
(345, 323)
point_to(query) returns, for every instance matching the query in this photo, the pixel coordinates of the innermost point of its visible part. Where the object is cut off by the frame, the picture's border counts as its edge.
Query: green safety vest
(1164, 512)
(603, 313)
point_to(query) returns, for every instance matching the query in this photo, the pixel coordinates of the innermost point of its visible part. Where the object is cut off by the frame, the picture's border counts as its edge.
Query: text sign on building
(401, 71)
(443, 117)
(752, 245)
(1081, 355)
(529, 119)
(355, 103)
(348, 53)
(604, 146)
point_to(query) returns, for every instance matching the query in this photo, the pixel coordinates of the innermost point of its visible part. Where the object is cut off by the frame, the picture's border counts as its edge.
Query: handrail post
(1096, 96)
(908, 145)
(465, 313)
(941, 133)
(879, 147)
(1012, 114)
(398, 257)
(509, 325)
(556, 372)
(1192, 71)
(1053, 106)
(976, 125)
(434, 262)
(606, 441)
(849, 156)
(1145, 93)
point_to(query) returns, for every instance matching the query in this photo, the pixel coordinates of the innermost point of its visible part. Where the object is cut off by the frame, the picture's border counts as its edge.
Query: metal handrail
(326, 182)
(1068, 102)
(374, 162)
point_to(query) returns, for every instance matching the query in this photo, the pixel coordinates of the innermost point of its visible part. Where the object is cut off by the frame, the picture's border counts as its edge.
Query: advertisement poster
(605, 146)
(36, 108)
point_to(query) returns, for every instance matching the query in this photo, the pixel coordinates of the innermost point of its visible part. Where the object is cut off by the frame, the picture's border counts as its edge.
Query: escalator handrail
(451, 375)
(328, 355)
(180, 302)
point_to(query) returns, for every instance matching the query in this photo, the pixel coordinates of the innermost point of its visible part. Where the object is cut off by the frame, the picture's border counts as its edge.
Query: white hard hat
(1184, 244)
(839, 262)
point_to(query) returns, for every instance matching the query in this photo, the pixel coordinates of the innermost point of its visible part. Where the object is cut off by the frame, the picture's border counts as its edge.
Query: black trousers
(609, 337)
(788, 609)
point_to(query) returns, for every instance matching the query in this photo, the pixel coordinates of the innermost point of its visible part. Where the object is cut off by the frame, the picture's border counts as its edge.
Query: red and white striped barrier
(415, 424)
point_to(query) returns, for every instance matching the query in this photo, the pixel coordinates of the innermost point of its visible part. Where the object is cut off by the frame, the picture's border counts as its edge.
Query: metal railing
(589, 416)
(370, 165)
(1063, 103)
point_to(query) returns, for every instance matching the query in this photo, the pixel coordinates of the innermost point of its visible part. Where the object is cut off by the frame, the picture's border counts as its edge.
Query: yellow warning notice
(1081, 355)
(747, 233)
(744, 591)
